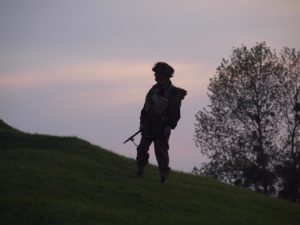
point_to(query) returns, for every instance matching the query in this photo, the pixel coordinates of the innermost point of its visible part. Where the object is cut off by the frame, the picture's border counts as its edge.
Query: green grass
(65, 180)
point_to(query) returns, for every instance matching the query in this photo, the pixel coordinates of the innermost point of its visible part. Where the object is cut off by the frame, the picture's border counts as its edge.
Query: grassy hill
(64, 180)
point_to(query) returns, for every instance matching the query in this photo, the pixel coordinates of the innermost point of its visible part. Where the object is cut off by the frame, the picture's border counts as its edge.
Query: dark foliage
(250, 128)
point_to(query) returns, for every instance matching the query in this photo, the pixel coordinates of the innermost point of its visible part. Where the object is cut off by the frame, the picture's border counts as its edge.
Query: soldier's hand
(142, 126)
(167, 131)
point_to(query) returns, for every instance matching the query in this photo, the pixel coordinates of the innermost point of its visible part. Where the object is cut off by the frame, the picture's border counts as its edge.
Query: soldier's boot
(164, 176)
(140, 171)
(163, 180)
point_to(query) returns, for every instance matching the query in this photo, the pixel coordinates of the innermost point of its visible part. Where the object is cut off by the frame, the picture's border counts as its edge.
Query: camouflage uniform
(161, 110)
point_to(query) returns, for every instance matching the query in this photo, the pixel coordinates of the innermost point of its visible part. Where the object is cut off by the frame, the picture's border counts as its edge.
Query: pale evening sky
(75, 67)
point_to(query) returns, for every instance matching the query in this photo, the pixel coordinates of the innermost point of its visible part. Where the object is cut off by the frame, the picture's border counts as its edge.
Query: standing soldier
(159, 115)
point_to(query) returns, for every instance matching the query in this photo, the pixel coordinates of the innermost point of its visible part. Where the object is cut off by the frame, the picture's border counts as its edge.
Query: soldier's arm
(144, 111)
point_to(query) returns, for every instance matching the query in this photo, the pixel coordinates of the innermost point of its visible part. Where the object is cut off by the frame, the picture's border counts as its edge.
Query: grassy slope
(65, 180)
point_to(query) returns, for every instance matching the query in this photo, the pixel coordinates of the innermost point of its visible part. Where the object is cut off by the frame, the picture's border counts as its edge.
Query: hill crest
(5, 126)
(65, 180)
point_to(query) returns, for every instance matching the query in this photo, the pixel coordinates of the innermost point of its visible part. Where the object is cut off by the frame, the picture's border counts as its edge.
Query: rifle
(131, 138)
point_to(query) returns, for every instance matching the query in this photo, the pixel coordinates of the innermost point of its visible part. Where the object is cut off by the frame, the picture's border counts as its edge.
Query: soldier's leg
(142, 155)
(161, 147)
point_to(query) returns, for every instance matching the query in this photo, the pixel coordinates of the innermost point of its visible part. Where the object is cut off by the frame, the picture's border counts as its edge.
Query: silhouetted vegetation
(250, 131)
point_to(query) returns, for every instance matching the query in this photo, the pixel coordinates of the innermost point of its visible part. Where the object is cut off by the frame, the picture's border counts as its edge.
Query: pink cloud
(108, 81)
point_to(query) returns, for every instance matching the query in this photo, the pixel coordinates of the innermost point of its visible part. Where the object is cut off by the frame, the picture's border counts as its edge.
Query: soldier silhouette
(160, 114)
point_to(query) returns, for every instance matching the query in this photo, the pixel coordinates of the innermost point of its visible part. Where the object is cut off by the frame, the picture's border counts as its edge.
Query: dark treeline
(250, 131)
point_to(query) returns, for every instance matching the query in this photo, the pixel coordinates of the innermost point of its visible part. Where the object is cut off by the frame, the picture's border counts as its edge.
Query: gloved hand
(142, 126)
(167, 131)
